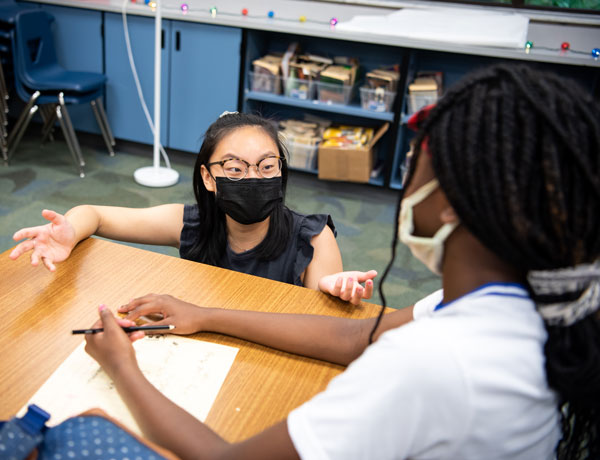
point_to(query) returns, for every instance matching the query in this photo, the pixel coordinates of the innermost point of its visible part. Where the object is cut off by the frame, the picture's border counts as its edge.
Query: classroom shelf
(373, 181)
(353, 110)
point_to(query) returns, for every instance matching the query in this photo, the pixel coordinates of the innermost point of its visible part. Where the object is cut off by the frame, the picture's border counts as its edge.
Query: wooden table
(39, 309)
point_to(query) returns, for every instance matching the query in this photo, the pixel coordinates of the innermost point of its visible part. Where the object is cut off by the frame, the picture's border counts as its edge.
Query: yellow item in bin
(341, 142)
(347, 136)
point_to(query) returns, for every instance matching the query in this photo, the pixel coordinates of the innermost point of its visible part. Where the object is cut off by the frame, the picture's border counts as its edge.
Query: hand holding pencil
(112, 348)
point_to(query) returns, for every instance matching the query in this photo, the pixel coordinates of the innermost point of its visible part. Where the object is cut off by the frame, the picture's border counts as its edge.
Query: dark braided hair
(517, 153)
(211, 240)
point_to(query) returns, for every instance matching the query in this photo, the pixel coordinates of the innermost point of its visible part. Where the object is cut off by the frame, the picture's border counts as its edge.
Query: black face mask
(249, 201)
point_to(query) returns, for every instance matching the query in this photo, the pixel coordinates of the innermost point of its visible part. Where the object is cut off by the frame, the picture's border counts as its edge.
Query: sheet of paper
(189, 372)
(460, 26)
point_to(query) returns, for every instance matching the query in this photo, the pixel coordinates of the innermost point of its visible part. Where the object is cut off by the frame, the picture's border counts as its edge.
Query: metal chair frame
(51, 106)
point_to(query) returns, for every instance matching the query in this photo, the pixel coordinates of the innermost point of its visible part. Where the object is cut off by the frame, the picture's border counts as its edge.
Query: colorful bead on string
(596, 53)
(302, 18)
(565, 46)
(213, 11)
(333, 21)
(271, 14)
(245, 12)
(528, 46)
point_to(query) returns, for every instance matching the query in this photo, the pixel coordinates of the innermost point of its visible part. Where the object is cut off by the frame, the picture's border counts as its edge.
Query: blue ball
(596, 53)
(270, 14)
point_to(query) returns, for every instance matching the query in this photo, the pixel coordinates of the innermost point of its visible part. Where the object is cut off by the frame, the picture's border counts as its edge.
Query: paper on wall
(448, 25)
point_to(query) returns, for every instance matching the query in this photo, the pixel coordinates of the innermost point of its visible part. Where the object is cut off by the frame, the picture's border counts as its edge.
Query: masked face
(249, 201)
(429, 250)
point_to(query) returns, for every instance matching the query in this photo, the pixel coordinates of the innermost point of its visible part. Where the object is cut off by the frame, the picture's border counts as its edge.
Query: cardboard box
(349, 164)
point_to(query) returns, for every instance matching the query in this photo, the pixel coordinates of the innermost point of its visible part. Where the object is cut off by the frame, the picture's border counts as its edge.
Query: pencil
(126, 329)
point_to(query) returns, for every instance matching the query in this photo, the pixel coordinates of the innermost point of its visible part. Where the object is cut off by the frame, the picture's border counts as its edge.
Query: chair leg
(64, 124)
(24, 114)
(67, 127)
(17, 134)
(48, 113)
(104, 126)
(3, 88)
(4, 150)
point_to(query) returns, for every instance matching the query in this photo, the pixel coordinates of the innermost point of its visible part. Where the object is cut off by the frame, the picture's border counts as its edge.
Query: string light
(565, 47)
(185, 9)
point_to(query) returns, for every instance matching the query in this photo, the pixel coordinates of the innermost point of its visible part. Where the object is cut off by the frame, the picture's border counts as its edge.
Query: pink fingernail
(101, 307)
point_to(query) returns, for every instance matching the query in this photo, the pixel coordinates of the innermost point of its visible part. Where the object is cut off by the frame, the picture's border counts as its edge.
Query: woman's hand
(346, 285)
(186, 317)
(50, 243)
(112, 348)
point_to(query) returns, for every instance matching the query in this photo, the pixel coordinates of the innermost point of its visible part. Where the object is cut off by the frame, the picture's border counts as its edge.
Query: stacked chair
(46, 87)
(8, 12)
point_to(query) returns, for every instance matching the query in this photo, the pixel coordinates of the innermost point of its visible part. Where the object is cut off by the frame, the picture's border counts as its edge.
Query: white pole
(157, 176)
(157, 48)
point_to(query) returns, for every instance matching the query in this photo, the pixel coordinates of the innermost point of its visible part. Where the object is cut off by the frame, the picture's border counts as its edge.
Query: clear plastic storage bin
(264, 82)
(417, 101)
(376, 99)
(302, 156)
(330, 93)
(299, 89)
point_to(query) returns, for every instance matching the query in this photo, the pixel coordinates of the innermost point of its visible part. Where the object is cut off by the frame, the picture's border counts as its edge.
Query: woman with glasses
(239, 221)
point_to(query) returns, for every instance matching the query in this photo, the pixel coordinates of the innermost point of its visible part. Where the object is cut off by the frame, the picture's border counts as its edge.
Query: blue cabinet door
(205, 69)
(123, 107)
(78, 41)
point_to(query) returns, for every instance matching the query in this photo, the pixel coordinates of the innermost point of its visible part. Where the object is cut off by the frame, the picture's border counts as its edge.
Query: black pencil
(126, 329)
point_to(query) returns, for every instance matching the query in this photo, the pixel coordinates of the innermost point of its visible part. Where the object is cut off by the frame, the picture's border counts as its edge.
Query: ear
(448, 215)
(209, 182)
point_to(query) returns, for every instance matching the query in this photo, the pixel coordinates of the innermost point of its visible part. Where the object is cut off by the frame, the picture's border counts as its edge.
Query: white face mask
(428, 250)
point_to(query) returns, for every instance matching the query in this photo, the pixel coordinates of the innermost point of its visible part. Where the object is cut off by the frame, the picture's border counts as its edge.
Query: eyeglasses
(236, 169)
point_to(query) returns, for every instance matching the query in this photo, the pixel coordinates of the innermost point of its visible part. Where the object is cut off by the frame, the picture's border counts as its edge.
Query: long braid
(517, 153)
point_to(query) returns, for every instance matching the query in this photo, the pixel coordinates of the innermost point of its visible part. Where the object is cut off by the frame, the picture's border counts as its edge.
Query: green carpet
(44, 176)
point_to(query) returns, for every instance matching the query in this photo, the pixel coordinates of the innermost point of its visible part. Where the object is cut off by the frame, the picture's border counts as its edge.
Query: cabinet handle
(162, 39)
(177, 40)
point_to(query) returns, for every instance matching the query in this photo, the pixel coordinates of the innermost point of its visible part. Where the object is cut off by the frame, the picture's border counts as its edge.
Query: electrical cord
(137, 80)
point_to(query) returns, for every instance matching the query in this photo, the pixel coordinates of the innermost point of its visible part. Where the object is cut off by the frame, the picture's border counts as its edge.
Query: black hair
(517, 153)
(211, 240)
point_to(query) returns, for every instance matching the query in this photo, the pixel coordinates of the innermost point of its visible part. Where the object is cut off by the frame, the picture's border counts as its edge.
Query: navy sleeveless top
(290, 264)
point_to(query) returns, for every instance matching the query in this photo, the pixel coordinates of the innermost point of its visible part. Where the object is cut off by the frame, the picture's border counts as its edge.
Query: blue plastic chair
(48, 87)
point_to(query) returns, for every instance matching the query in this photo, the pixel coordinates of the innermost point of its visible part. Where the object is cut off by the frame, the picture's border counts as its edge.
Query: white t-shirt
(464, 380)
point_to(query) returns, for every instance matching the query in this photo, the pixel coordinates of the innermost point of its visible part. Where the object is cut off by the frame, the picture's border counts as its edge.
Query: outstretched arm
(346, 285)
(164, 422)
(53, 242)
(332, 339)
(325, 271)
